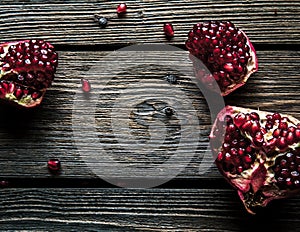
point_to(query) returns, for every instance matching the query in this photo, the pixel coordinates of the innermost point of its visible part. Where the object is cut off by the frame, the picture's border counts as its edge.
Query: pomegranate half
(258, 153)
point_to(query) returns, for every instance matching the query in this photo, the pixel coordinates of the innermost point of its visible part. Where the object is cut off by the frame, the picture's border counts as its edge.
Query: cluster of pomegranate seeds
(168, 30)
(54, 165)
(121, 9)
(237, 154)
(27, 70)
(287, 169)
(258, 153)
(225, 50)
(85, 85)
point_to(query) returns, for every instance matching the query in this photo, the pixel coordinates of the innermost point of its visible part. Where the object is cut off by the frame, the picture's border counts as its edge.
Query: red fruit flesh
(27, 70)
(258, 153)
(225, 50)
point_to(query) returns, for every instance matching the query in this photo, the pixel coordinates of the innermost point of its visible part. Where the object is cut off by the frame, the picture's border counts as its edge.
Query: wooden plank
(135, 209)
(28, 139)
(72, 22)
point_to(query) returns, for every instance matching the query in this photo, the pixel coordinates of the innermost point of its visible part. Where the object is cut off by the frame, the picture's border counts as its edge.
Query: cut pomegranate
(255, 155)
(27, 70)
(225, 50)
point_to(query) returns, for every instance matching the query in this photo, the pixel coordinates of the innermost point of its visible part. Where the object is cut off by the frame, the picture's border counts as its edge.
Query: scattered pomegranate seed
(121, 9)
(54, 165)
(168, 30)
(102, 22)
(4, 184)
(86, 86)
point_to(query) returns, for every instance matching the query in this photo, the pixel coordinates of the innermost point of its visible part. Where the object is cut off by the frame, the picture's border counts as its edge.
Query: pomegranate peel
(261, 170)
(226, 51)
(27, 69)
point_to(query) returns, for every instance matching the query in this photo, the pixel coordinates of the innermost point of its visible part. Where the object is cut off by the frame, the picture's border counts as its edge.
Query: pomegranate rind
(257, 185)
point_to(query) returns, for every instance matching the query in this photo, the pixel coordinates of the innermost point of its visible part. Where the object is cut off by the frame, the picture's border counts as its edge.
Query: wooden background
(78, 200)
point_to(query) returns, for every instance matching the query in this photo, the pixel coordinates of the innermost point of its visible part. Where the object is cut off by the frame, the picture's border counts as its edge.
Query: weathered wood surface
(192, 201)
(216, 210)
(72, 22)
(29, 139)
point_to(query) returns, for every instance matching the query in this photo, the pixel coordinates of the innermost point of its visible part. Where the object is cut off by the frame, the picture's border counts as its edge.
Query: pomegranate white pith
(226, 51)
(27, 69)
(258, 153)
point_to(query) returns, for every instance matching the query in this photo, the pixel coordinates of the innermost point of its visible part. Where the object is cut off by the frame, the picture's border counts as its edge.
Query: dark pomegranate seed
(168, 30)
(102, 22)
(4, 184)
(54, 165)
(121, 9)
(86, 86)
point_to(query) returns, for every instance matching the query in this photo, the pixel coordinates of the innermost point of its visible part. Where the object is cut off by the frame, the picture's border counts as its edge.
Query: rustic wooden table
(78, 199)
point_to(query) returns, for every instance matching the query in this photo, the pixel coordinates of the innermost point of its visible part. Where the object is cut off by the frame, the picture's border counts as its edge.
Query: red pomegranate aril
(121, 8)
(282, 143)
(85, 85)
(240, 119)
(290, 138)
(264, 165)
(168, 30)
(277, 133)
(54, 165)
(283, 125)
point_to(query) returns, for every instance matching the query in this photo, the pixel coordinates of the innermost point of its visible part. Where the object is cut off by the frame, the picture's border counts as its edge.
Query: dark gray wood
(72, 22)
(148, 210)
(29, 139)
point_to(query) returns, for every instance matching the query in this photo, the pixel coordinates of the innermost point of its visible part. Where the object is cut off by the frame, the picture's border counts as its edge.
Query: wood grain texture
(212, 210)
(72, 22)
(29, 139)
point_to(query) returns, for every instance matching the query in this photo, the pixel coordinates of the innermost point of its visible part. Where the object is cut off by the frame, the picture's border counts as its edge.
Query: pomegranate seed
(168, 30)
(4, 184)
(85, 85)
(282, 143)
(254, 116)
(54, 165)
(290, 138)
(248, 158)
(121, 9)
(276, 133)
(239, 119)
(255, 127)
(276, 116)
(283, 125)
(102, 22)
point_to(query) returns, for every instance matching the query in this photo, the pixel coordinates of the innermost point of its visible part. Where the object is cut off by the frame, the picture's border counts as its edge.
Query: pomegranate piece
(168, 30)
(54, 165)
(121, 9)
(258, 153)
(27, 70)
(225, 50)
(85, 85)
